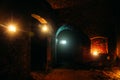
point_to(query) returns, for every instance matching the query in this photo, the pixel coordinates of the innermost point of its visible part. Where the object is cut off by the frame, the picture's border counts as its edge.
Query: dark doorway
(66, 48)
(71, 47)
(38, 51)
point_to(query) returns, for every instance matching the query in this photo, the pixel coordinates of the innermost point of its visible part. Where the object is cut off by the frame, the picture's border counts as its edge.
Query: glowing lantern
(64, 42)
(12, 28)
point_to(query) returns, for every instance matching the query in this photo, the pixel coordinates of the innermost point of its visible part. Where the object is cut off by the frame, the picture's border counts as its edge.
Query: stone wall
(14, 58)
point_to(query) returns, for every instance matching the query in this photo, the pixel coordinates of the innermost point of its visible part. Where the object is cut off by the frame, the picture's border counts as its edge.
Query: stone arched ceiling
(58, 4)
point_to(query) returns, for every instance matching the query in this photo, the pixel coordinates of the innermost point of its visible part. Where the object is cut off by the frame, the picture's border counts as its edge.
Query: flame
(95, 53)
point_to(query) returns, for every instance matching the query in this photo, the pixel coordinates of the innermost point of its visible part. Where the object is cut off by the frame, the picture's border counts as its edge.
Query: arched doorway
(66, 47)
(99, 51)
(38, 50)
(99, 45)
(70, 46)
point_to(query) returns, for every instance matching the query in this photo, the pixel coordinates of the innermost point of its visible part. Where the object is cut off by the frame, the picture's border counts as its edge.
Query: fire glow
(95, 53)
(99, 45)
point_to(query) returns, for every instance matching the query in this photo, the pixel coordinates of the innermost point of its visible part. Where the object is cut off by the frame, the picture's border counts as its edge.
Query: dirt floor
(70, 74)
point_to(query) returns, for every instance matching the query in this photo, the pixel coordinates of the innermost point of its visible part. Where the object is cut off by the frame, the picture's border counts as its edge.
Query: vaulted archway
(70, 46)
